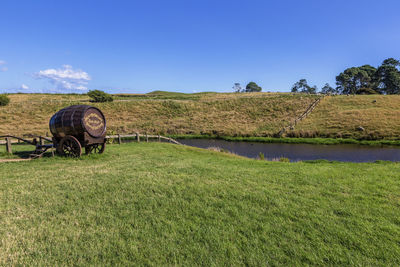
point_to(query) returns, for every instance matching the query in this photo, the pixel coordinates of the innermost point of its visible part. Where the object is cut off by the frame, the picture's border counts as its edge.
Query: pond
(301, 152)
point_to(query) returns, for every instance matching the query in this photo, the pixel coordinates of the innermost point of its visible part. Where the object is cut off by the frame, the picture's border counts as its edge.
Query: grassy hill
(162, 204)
(167, 113)
(340, 116)
(250, 114)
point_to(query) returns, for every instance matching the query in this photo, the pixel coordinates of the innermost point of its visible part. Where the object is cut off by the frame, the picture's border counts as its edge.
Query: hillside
(166, 113)
(340, 116)
(250, 114)
(162, 204)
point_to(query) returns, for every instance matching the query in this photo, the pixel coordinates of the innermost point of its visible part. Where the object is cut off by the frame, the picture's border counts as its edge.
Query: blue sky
(189, 46)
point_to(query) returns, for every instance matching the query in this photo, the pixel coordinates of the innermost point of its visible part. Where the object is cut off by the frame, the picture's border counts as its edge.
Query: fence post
(8, 145)
(119, 139)
(159, 138)
(147, 138)
(138, 137)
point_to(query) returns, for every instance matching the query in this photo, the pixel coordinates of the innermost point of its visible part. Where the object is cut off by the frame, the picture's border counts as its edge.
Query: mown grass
(162, 204)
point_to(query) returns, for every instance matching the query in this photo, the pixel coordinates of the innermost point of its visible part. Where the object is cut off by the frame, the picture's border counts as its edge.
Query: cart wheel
(58, 148)
(69, 146)
(96, 148)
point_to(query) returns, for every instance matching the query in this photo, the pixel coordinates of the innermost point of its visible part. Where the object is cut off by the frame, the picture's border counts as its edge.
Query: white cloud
(2, 62)
(66, 78)
(24, 87)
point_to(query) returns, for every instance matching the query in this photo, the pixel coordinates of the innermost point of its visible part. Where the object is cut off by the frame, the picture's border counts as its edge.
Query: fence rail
(11, 139)
(138, 136)
(302, 116)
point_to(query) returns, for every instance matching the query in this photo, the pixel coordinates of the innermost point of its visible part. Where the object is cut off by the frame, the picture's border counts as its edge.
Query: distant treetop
(303, 87)
(253, 87)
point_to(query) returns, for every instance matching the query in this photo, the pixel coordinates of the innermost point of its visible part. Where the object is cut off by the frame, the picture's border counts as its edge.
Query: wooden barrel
(77, 119)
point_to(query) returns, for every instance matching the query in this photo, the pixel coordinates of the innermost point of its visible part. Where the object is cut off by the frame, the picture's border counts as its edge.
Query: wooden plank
(8, 145)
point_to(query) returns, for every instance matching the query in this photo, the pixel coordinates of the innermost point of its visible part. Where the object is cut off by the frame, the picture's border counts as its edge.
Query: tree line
(366, 79)
(250, 87)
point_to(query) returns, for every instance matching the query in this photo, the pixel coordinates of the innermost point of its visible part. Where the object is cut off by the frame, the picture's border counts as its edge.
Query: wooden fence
(10, 139)
(301, 117)
(137, 137)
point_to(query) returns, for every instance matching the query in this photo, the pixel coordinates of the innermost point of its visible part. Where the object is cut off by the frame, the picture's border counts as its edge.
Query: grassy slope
(339, 116)
(217, 114)
(162, 204)
(173, 113)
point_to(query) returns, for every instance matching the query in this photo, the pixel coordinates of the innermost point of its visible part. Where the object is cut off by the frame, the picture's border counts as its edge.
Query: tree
(300, 86)
(327, 89)
(391, 62)
(312, 90)
(353, 79)
(4, 100)
(387, 77)
(237, 88)
(252, 87)
(303, 87)
(99, 96)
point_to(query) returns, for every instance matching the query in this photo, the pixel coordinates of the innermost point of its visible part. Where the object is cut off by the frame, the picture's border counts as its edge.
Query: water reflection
(297, 152)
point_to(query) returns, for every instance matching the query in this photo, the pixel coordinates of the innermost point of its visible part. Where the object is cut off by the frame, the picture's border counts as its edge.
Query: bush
(366, 91)
(99, 96)
(283, 159)
(253, 87)
(4, 100)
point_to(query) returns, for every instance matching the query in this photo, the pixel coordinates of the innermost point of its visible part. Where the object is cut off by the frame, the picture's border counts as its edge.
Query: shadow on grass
(22, 155)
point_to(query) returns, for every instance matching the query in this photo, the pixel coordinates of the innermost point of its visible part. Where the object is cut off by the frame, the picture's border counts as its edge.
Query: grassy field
(218, 114)
(162, 204)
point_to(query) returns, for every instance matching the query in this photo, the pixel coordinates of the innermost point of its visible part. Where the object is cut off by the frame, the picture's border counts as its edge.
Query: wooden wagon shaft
(19, 138)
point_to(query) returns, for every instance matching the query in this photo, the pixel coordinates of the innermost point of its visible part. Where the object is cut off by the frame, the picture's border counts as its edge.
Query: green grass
(162, 204)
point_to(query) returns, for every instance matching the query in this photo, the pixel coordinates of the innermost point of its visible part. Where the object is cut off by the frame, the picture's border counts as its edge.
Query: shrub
(99, 96)
(283, 159)
(366, 91)
(4, 100)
